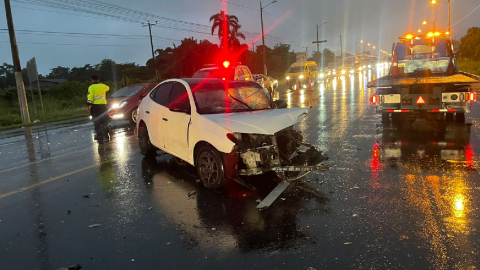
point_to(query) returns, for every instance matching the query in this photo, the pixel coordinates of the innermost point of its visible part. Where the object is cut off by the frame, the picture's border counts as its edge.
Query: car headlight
(119, 105)
(288, 78)
(344, 71)
(352, 71)
(301, 76)
(321, 75)
(369, 66)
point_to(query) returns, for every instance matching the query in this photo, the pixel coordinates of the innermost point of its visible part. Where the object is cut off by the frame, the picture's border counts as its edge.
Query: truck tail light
(473, 96)
(374, 99)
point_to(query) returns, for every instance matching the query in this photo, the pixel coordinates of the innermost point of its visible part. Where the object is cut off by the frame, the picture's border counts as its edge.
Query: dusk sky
(52, 34)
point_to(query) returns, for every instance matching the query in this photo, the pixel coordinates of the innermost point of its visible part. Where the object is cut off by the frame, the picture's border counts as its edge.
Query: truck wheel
(460, 117)
(146, 147)
(210, 167)
(449, 117)
(385, 118)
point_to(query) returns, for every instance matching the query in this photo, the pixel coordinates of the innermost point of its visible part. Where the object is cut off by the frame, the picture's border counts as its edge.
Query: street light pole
(263, 36)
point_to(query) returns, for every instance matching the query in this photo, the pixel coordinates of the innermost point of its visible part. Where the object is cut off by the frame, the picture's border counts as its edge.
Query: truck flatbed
(460, 78)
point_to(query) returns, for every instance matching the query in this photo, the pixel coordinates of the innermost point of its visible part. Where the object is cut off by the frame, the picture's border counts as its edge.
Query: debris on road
(71, 267)
(95, 225)
(150, 208)
(86, 196)
(347, 243)
(191, 193)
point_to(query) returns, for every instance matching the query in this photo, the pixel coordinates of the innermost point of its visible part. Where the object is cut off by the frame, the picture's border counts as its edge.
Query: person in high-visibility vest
(97, 106)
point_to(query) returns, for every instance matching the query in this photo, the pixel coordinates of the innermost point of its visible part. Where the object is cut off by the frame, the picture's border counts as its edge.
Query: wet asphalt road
(398, 196)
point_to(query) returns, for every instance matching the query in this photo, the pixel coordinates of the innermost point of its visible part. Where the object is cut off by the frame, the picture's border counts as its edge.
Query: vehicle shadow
(228, 219)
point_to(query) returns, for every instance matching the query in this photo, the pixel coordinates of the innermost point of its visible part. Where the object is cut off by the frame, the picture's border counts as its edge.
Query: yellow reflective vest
(97, 94)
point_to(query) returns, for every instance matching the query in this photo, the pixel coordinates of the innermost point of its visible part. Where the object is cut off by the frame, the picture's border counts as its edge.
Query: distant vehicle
(226, 71)
(424, 81)
(301, 74)
(224, 132)
(124, 102)
(266, 82)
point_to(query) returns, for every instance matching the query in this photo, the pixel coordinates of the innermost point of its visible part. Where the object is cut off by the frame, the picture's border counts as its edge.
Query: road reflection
(229, 220)
(436, 163)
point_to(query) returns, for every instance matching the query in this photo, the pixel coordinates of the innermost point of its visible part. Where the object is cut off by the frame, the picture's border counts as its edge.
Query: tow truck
(424, 81)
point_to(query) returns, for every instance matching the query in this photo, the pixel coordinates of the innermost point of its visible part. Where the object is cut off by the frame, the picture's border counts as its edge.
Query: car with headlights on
(301, 75)
(226, 129)
(124, 102)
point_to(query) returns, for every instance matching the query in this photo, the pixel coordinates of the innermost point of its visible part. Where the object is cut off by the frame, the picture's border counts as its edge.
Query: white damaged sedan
(225, 129)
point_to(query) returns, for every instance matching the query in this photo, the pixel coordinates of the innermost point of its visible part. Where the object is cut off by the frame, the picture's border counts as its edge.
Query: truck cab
(424, 81)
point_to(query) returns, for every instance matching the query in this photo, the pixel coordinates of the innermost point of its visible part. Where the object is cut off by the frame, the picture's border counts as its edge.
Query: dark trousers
(100, 119)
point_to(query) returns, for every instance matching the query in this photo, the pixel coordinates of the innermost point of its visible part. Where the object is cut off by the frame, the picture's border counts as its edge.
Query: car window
(239, 73)
(148, 89)
(162, 93)
(179, 94)
(313, 68)
(246, 72)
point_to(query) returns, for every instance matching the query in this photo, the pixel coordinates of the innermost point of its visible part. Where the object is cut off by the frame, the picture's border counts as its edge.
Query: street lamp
(433, 2)
(263, 36)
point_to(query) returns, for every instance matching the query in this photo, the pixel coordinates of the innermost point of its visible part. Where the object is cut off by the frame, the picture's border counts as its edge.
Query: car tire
(210, 167)
(146, 147)
(133, 116)
(460, 118)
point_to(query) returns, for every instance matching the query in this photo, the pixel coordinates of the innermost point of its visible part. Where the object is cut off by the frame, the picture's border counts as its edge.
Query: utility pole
(151, 44)
(449, 17)
(22, 97)
(341, 47)
(306, 50)
(263, 37)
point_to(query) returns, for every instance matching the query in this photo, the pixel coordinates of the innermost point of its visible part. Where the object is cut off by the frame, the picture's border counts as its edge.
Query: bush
(10, 119)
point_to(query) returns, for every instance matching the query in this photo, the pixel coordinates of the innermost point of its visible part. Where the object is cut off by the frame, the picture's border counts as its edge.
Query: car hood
(266, 122)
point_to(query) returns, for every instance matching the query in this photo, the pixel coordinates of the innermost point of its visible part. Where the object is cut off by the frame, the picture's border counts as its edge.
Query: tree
(469, 44)
(59, 73)
(224, 22)
(7, 76)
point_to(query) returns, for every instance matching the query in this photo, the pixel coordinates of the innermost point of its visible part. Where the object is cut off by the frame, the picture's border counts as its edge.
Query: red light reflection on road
(469, 156)
(375, 166)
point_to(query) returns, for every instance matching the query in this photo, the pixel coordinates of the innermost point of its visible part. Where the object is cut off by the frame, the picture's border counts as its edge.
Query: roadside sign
(32, 75)
(421, 101)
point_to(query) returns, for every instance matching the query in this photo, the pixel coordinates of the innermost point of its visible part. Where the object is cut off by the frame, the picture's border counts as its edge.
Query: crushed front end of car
(285, 153)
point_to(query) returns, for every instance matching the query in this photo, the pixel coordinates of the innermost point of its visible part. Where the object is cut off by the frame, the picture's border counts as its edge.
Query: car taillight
(473, 96)
(374, 99)
(232, 137)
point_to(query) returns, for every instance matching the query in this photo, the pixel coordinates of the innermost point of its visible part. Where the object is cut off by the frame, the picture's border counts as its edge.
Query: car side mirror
(179, 107)
(281, 104)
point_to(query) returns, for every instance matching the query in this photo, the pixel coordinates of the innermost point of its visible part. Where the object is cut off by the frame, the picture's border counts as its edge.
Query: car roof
(193, 82)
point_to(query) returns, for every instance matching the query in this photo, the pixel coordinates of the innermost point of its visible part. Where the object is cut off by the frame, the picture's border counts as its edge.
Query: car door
(247, 74)
(176, 123)
(156, 112)
(239, 74)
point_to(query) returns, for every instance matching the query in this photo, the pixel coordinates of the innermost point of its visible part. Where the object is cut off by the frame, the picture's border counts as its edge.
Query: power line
(475, 9)
(76, 44)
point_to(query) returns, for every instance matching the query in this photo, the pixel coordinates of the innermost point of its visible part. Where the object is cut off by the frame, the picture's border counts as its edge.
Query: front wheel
(210, 167)
(146, 147)
(133, 116)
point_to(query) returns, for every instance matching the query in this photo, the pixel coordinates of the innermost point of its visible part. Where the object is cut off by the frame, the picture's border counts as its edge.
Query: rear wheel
(449, 117)
(210, 167)
(460, 117)
(146, 147)
(385, 118)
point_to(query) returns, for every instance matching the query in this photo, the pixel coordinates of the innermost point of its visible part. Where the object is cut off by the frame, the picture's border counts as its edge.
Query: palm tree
(223, 22)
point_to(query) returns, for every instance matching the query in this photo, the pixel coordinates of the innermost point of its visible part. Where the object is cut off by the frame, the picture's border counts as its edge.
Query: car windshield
(215, 73)
(128, 91)
(296, 69)
(423, 57)
(238, 97)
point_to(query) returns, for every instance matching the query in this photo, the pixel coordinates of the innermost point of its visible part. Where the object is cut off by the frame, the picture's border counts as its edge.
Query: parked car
(123, 103)
(225, 132)
(224, 72)
(265, 81)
